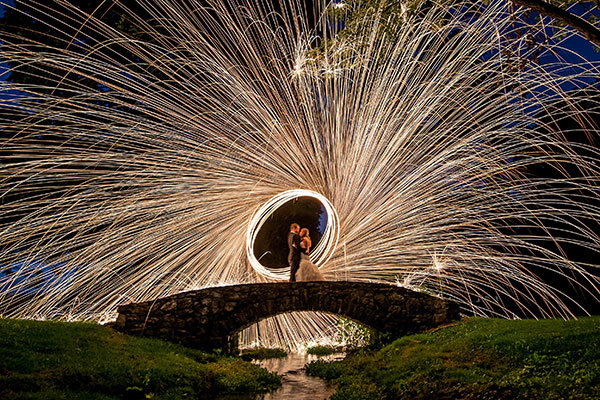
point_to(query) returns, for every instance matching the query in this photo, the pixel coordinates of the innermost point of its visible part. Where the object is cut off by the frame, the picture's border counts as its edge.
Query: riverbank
(56, 360)
(478, 358)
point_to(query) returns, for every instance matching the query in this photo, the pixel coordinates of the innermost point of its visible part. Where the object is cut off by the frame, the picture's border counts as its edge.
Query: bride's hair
(304, 236)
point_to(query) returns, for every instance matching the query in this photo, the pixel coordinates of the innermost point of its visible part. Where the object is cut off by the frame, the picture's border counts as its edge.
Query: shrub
(325, 350)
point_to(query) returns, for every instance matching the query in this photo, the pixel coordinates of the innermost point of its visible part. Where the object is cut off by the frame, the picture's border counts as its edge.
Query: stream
(295, 384)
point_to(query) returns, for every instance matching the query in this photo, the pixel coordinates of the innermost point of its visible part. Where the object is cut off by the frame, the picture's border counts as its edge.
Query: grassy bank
(478, 358)
(53, 360)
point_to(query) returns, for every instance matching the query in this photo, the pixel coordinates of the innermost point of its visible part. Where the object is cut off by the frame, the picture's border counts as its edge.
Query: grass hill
(55, 360)
(477, 359)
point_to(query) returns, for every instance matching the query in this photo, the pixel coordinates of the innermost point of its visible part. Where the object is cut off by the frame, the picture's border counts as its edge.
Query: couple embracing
(301, 268)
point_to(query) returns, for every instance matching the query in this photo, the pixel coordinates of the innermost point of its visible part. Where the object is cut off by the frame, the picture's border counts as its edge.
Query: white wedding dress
(307, 270)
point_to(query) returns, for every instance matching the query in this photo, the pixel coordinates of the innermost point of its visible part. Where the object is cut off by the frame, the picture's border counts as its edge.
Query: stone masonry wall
(207, 318)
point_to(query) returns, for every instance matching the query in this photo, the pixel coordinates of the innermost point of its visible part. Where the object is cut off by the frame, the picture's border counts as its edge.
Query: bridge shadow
(209, 318)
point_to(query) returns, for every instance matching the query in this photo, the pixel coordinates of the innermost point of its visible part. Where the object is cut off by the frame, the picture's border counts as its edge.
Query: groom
(294, 254)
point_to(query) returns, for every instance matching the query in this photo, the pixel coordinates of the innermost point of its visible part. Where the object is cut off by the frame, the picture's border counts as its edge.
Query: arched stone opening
(303, 330)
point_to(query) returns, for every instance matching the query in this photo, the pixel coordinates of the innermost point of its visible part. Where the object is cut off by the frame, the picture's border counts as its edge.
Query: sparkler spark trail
(144, 183)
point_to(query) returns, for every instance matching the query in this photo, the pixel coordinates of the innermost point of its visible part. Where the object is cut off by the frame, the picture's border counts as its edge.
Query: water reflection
(295, 384)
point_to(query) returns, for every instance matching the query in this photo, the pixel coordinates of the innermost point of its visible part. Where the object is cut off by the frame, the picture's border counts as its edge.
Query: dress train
(308, 271)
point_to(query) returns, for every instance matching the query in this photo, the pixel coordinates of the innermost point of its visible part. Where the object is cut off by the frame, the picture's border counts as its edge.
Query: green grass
(261, 353)
(55, 360)
(478, 358)
(325, 350)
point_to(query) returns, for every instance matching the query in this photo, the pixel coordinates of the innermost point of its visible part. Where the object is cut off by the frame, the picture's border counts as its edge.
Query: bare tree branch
(589, 31)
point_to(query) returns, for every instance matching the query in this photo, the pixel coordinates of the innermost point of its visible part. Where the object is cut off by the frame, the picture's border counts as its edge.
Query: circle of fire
(322, 251)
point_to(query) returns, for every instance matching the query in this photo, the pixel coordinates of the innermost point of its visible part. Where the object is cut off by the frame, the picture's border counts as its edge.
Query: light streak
(155, 179)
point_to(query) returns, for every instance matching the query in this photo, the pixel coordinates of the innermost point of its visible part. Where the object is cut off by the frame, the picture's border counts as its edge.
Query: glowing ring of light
(322, 251)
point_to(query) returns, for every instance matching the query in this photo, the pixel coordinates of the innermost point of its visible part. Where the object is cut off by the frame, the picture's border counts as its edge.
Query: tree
(392, 11)
(583, 26)
(27, 27)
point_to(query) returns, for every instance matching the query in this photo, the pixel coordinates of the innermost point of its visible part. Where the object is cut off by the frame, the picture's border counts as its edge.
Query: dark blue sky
(2, 2)
(580, 44)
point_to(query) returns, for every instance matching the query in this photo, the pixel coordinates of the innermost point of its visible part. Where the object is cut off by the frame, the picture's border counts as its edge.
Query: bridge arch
(207, 318)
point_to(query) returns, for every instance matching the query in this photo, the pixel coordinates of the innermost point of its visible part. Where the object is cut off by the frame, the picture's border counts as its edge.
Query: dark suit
(294, 254)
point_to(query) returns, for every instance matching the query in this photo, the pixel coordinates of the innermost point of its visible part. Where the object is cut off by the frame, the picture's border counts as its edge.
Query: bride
(307, 270)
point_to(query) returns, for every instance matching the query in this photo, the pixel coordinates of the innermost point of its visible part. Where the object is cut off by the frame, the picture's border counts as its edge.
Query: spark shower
(139, 168)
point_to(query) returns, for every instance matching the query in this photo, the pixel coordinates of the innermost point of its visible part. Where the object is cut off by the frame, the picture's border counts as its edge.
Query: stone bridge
(211, 318)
